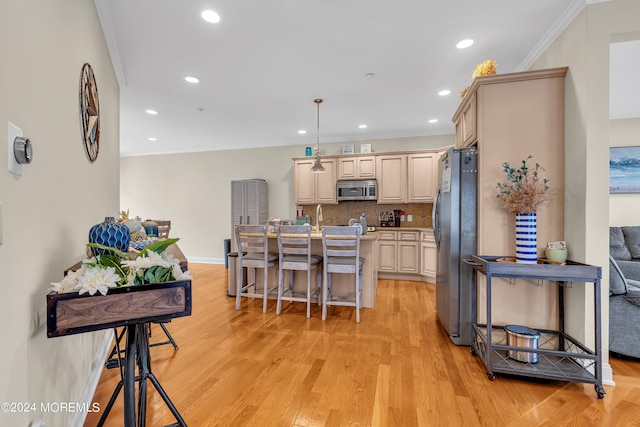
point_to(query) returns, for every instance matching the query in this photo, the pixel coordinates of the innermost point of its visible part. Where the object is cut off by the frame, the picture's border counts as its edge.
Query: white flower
(151, 259)
(96, 279)
(68, 284)
(178, 274)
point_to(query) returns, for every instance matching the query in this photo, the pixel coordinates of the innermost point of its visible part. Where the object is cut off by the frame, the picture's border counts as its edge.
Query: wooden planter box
(71, 313)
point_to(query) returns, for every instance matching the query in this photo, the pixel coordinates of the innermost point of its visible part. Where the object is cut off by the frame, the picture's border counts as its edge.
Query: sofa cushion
(632, 240)
(633, 295)
(617, 248)
(617, 282)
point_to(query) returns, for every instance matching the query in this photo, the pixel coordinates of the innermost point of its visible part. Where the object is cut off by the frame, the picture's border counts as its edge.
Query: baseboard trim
(607, 375)
(86, 399)
(201, 260)
(406, 276)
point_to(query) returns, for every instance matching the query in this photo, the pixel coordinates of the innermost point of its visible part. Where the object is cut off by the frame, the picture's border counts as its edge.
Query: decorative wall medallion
(89, 113)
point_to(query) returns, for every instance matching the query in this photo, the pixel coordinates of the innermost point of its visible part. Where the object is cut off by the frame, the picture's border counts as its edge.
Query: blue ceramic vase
(109, 233)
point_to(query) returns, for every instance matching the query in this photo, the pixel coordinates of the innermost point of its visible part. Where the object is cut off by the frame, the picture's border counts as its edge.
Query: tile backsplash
(341, 213)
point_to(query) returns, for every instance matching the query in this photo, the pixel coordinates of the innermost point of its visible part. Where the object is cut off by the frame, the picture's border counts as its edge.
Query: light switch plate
(409, 218)
(14, 166)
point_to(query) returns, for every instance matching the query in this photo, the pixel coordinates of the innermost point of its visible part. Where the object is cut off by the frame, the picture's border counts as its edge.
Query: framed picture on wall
(348, 149)
(624, 170)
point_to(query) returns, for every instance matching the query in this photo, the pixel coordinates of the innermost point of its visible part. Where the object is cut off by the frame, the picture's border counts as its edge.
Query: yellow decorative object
(486, 68)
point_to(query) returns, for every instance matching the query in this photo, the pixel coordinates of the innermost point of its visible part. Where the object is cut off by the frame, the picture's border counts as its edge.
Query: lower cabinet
(428, 255)
(398, 251)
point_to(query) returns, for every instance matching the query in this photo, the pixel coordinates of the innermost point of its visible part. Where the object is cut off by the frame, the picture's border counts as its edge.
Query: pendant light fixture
(317, 163)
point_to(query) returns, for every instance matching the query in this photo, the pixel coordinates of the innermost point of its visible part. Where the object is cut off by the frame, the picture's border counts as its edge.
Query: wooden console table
(560, 356)
(133, 307)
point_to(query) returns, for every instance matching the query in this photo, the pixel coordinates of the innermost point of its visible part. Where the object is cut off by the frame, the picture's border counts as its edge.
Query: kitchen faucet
(318, 217)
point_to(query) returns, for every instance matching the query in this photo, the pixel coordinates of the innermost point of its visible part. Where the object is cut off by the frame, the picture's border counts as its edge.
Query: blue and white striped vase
(526, 238)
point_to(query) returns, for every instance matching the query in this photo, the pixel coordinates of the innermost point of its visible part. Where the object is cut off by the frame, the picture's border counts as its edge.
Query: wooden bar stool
(341, 254)
(253, 253)
(294, 247)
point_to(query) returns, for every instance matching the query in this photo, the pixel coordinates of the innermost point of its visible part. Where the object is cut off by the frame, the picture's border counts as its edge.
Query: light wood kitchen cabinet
(466, 124)
(422, 180)
(517, 115)
(313, 187)
(391, 173)
(357, 167)
(398, 251)
(428, 255)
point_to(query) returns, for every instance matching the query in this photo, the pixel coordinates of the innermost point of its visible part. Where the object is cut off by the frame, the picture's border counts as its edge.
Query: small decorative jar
(109, 233)
(151, 227)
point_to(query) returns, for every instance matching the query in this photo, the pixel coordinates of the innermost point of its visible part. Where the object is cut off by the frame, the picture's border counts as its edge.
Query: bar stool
(294, 247)
(341, 254)
(253, 253)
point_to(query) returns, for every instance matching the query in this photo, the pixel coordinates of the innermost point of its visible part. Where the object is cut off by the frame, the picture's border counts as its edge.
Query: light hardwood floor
(396, 368)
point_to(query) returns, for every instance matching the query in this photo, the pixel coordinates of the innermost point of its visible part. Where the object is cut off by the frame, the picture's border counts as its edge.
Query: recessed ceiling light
(463, 44)
(369, 75)
(210, 16)
(433, 121)
(152, 138)
(302, 131)
(362, 126)
(192, 79)
(152, 112)
(444, 92)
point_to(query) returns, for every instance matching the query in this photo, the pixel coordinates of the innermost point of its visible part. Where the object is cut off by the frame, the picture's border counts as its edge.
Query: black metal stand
(117, 355)
(136, 354)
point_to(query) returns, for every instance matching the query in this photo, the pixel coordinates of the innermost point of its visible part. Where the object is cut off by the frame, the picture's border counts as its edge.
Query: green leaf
(158, 246)
(114, 251)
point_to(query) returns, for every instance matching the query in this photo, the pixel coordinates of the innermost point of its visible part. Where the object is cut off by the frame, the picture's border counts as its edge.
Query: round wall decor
(89, 113)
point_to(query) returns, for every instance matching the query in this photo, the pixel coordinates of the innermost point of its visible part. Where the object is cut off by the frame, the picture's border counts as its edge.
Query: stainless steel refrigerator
(454, 226)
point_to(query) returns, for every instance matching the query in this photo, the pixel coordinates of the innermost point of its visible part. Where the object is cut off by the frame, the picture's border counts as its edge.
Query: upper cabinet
(313, 187)
(357, 167)
(422, 180)
(466, 123)
(406, 178)
(391, 173)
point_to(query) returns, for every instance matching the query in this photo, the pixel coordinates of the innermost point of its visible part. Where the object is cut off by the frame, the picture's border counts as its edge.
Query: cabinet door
(325, 183)
(391, 173)
(428, 255)
(407, 257)
(469, 123)
(304, 182)
(422, 177)
(348, 168)
(367, 167)
(387, 254)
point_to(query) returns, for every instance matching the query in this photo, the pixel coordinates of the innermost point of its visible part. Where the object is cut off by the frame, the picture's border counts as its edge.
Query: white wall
(47, 212)
(584, 47)
(193, 190)
(624, 208)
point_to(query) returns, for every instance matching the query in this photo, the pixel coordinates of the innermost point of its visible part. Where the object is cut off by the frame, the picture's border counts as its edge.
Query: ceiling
(265, 62)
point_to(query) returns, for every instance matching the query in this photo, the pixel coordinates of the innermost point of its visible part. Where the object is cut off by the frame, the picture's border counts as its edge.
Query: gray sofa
(624, 290)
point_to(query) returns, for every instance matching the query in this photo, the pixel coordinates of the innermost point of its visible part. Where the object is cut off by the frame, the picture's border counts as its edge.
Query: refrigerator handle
(435, 218)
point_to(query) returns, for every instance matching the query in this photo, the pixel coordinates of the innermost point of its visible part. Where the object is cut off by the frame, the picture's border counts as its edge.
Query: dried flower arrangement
(524, 192)
(485, 68)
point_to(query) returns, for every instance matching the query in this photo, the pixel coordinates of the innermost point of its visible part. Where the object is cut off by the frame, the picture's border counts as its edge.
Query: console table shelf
(559, 356)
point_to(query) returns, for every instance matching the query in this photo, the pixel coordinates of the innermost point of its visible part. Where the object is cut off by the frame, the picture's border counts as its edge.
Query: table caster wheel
(600, 391)
(491, 376)
(473, 351)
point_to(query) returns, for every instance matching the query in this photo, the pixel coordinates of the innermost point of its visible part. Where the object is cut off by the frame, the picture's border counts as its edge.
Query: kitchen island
(341, 283)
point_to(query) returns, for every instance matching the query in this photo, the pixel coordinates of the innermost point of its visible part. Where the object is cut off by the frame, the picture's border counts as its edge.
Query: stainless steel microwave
(366, 189)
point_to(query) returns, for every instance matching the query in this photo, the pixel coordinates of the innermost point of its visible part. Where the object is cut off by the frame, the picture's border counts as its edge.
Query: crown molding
(102, 7)
(556, 29)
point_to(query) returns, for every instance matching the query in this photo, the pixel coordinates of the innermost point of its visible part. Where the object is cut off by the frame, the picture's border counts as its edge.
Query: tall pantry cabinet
(249, 204)
(509, 117)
